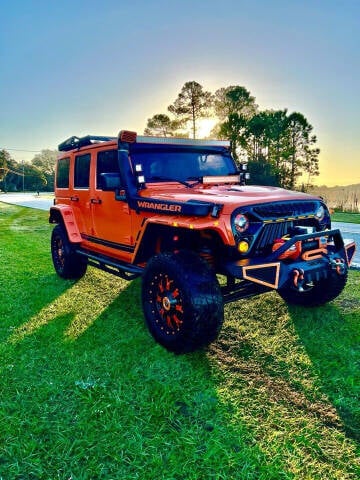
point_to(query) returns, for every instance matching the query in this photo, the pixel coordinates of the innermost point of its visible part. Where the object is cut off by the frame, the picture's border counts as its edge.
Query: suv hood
(231, 196)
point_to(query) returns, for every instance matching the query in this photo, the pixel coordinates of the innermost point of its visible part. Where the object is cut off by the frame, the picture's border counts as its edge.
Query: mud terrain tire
(67, 263)
(182, 301)
(320, 293)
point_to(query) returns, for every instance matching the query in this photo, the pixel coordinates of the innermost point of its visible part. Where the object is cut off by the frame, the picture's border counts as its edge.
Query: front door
(111, 219)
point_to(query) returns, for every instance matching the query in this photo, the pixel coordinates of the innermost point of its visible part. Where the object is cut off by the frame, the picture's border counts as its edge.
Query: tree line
(37, 175)
(279, 147)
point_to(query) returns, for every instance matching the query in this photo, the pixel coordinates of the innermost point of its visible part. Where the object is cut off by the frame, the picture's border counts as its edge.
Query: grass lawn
(86, 393)
(346, 217)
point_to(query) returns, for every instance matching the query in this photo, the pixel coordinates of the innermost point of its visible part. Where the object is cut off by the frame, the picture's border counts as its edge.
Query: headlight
(241, 223)
(320, 213)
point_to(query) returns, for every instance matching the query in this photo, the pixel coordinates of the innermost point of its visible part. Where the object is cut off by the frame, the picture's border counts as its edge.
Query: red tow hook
(339, 265)
(298, 279)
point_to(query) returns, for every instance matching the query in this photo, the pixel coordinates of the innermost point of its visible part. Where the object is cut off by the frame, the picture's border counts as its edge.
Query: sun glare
(204, 127)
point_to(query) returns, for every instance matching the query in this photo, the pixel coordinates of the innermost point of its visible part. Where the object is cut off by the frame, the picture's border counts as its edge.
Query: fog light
(243, 246)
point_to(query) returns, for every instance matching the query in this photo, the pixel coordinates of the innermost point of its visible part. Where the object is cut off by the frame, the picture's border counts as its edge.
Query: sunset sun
(204, 127)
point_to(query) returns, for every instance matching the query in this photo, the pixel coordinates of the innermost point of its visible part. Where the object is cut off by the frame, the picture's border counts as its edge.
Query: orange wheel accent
(177, 320)
(168, 283)
(168, 304)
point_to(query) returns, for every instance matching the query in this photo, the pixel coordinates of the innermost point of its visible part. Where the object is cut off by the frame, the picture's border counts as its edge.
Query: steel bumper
(275, 273)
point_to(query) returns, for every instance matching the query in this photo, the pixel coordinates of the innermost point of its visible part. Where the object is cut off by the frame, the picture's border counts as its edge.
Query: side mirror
(243, 177)
(110, 181)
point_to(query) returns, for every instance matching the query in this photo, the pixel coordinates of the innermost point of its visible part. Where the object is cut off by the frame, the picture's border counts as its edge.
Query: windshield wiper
(197, 180)
(168, 179)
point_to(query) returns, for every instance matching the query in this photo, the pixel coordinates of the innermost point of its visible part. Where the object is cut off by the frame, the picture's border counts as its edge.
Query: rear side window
(107, 162)
(82, 171)
(62, 173)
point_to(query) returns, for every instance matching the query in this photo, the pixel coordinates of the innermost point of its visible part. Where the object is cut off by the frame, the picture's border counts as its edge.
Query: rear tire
(320, 293)
(182, 301)
(67, 263)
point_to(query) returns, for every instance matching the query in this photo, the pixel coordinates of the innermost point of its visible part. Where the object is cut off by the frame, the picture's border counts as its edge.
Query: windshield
(183, 165)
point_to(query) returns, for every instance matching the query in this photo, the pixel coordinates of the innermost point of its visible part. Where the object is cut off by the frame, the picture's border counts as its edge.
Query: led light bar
(213, 180)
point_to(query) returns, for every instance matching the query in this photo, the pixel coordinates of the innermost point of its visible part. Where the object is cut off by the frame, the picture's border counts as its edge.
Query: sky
(90, 67)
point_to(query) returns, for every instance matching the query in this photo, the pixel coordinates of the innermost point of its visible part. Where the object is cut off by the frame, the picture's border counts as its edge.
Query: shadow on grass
(82, 300)
(331, 338)
(25, 297)
(285, 392)
(88, 377)
(108, 388)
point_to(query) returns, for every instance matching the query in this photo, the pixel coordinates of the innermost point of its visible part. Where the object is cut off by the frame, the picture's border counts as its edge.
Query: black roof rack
(76, 142)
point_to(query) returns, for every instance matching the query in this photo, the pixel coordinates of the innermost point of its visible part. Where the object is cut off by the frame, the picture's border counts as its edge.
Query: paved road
(351, 230)
(32, 200)
(44, 201)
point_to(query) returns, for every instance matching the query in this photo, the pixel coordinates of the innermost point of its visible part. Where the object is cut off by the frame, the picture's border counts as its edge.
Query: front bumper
(312, 266)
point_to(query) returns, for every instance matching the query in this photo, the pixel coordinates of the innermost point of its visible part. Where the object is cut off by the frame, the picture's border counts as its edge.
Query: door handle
(95, 200)
(74, 199)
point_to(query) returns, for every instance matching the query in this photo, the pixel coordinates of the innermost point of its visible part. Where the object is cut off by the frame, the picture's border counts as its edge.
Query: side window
(62, 173)
(107, 162)
(82, 171)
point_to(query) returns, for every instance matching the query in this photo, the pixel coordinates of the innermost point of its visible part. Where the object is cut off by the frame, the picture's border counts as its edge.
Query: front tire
(67, 263)
(182, 301)
(320, 293)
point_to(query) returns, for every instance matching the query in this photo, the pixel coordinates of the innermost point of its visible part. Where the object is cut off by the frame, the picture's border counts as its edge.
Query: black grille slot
(286, 209)
(268, 234)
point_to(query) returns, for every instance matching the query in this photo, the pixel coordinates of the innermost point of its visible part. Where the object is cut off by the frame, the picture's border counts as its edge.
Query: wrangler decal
(159, 206)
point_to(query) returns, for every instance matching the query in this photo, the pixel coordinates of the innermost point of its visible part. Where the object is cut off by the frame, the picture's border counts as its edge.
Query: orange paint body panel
(70, 223)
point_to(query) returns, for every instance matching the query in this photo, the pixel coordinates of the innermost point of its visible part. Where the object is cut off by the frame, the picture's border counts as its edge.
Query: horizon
(102, 70)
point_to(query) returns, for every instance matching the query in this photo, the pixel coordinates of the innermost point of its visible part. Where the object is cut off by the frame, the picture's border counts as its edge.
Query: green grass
(86, 393)
(345, 217)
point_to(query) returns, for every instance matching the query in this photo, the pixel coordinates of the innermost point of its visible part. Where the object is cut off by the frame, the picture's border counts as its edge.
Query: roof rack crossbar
(78, 142)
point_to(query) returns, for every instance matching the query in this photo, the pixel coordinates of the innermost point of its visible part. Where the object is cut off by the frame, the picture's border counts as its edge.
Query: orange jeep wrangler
(177, 212)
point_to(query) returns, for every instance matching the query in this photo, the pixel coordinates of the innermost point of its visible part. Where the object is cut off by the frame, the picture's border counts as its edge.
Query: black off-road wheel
(182, 301)
(316, 294)
(67, 263)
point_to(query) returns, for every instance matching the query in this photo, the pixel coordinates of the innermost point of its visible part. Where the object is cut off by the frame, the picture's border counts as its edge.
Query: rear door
(80, 192)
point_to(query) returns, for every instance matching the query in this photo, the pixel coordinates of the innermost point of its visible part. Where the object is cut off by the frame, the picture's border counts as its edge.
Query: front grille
(270, 221)
(271, 231)
(268, 234)
(285, 209)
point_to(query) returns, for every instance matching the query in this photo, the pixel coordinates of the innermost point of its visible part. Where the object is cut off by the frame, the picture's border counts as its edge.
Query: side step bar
(237, 290)
(127, 271)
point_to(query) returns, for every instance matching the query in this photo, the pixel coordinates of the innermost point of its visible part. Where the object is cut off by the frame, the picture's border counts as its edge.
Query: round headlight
(320, 213)
(241, 223)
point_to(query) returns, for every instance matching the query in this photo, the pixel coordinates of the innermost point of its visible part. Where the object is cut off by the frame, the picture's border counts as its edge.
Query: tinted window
(62, 173)
(107, 162)
(82, 171)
